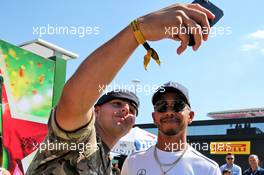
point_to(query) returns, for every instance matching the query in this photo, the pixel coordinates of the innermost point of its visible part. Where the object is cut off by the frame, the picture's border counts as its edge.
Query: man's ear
(96, 110)
(154, 117)
(191, 117)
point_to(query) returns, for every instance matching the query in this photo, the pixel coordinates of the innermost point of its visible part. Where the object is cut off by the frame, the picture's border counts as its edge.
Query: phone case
(214, 9)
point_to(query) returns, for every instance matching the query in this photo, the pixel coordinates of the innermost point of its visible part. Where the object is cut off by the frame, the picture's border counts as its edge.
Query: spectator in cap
(172, 154)
(72, 121)
(254, 169)
(230, 165)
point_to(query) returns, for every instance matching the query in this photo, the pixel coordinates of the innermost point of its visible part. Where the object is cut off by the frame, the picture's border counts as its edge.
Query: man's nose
(125, 109)
(170, 112)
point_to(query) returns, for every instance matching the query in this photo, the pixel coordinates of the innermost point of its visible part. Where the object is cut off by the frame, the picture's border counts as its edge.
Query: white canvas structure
(136, 140)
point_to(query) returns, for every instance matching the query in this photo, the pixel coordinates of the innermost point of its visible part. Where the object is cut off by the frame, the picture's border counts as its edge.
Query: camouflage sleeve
(61, 151)
(79, 135)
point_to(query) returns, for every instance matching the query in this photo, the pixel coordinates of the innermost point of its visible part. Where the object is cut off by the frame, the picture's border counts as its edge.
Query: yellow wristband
(141, 40)
(138, 35)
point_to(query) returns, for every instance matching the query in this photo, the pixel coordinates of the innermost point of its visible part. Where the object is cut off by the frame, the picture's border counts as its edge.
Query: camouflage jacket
(78, 152)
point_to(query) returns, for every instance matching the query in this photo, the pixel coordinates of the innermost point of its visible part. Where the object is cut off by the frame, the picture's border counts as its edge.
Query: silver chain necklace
(170, 164)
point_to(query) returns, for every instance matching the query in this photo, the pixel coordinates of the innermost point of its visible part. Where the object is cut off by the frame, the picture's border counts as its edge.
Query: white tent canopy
(136, 140)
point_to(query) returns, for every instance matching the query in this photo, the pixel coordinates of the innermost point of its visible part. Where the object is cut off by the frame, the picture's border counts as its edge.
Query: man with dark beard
(172, 154)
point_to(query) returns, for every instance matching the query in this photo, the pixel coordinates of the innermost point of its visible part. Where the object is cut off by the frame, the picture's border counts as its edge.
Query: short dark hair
(226, 171)
(230, 154)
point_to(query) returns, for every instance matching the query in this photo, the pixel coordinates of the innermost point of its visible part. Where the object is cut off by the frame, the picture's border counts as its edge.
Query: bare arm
(82, 89)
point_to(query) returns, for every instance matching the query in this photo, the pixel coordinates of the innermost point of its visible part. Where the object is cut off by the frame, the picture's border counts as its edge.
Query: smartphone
(214, 9)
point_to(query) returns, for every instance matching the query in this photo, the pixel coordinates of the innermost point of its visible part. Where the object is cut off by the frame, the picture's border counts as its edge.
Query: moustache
(170, 119)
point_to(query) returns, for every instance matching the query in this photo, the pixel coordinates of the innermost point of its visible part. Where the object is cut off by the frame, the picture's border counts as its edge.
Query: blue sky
(225, 73)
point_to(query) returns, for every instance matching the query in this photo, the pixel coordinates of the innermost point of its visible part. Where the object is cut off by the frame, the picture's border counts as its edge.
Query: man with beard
(172, 154)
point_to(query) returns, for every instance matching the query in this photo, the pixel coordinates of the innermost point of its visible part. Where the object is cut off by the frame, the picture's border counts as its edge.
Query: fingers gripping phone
(214, 9)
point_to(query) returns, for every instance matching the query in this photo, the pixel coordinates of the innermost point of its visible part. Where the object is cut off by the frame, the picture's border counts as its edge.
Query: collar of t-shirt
(229, 166)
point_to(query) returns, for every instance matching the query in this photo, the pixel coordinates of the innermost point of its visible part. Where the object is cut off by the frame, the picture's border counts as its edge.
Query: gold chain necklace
(171, 164)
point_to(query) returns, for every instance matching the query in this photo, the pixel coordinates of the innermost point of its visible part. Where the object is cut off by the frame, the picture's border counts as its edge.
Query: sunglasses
(164, 106)
(230, 158)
